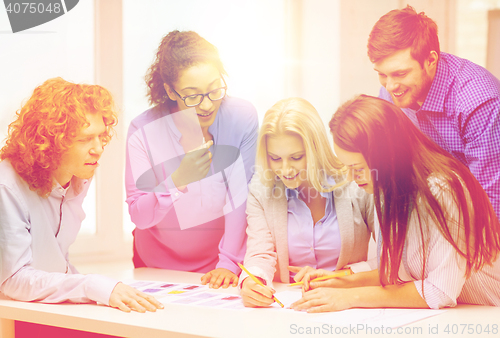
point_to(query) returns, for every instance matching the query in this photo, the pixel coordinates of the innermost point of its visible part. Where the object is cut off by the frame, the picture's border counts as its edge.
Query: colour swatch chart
(188, 294)
(162, 289)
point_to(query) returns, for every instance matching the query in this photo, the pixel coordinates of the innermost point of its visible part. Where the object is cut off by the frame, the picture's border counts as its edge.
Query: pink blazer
(267, 216)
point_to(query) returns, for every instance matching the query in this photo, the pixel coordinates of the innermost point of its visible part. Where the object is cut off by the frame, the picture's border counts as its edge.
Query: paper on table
(188, 294)
(392, 318)
(160, 289)
(287, 298)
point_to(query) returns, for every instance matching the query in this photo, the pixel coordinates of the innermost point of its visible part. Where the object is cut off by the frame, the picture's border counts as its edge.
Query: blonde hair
(297, 116)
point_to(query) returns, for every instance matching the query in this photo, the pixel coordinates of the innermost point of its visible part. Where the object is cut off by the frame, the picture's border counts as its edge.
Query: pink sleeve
(146, 208)
(232, 246)
(261, 256)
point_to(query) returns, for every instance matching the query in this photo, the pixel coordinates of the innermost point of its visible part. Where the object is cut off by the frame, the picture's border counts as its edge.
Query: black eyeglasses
(214, 95)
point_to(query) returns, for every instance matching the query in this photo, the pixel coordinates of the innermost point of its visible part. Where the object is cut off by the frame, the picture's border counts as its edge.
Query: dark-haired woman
(189, 160)
(439, 237)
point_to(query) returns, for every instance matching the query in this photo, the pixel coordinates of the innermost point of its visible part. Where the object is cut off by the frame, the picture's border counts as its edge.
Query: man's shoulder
(469, 84)
(8, 176)
(10, 179)
(466, 76)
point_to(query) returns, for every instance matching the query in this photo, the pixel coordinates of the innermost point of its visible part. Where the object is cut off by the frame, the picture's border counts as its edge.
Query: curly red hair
(47, 125)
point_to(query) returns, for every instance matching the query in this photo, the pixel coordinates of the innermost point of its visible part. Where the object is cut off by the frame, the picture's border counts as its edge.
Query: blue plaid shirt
(461, 113)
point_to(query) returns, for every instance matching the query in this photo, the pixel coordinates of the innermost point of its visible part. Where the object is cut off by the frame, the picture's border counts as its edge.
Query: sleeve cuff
(227, 264)
(435, 298)
(257, 272)
(100, 288)
(168, 186)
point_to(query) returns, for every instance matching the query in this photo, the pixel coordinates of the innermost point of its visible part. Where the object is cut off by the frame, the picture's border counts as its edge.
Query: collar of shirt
(435, 98)
(75, 188)
(294, 193)
(173, 128)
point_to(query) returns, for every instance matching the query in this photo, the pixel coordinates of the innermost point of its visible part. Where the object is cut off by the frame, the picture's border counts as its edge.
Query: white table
(189, 321)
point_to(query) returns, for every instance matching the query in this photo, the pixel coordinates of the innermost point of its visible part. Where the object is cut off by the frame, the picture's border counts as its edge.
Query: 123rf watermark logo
(25, 14)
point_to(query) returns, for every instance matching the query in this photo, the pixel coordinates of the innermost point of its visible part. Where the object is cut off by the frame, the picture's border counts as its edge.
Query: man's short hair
(47, 124)
(400, 29)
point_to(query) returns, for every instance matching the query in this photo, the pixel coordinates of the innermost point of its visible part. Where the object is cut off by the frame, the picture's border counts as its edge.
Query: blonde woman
(297, 218)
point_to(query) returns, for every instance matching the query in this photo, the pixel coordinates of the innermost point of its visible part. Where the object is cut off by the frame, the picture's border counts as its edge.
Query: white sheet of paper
(392, 318)
(287, 298)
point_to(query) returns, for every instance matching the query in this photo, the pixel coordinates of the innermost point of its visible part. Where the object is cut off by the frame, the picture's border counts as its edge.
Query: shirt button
(176, 194)
(312, 249)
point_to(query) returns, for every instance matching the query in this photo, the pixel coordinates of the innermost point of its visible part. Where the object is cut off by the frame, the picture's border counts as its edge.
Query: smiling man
(455, 102)
(49, 158)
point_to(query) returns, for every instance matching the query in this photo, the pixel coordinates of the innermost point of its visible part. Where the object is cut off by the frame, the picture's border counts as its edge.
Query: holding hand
(255, 295)
(219, 277)
(126, 298)
(194, 166)
(307, 274)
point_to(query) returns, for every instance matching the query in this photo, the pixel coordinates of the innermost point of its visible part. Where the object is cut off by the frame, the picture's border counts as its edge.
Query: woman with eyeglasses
(189, 160)
(439, 238)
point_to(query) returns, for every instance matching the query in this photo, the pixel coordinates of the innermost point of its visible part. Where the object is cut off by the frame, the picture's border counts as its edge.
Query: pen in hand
(339, 273)
(256, 280)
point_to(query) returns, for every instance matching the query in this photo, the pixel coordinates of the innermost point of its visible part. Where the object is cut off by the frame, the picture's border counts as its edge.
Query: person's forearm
(403, 295)
(361, 279)
(29, 284)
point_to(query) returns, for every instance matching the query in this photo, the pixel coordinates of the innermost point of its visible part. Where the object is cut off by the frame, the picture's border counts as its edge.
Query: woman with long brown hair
(439, 237)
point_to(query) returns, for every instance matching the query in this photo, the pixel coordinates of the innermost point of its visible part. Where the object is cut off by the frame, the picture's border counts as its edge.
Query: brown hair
(178, 51)
(400, 29)
(407, 163)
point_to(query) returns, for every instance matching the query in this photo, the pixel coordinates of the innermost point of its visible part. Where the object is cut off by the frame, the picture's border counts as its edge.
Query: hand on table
(219, 277)
(324, 300)
(306, 274)
(126, 298)
(255, 295)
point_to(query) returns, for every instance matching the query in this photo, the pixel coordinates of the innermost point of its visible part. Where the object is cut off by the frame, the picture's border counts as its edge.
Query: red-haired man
(49, 158)
(453, 101)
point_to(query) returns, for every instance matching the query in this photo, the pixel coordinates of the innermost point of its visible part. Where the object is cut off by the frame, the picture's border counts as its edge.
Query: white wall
(271, 48)
(63, 47)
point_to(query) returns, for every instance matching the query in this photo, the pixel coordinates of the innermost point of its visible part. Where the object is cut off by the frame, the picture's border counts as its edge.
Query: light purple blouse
(315, 245)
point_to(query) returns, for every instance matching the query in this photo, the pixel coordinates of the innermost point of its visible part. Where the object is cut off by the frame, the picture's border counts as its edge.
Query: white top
(35, 234)
(445, 283)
